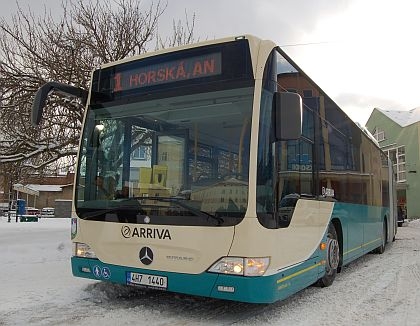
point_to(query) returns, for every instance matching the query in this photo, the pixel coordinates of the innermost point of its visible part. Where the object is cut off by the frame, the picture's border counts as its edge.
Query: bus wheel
(333, 258)
(381, 248)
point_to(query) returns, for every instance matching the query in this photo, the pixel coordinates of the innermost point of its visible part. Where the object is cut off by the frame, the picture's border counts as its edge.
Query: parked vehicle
(4, 207)
(32, 211)
(47, 212)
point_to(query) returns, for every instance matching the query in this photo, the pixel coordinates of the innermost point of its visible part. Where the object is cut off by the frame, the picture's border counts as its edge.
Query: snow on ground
(37, 288)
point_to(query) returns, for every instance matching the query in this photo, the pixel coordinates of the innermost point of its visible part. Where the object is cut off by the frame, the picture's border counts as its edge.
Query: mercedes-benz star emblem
(146, 255)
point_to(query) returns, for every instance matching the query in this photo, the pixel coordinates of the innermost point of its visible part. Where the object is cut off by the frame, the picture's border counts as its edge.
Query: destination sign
(168, 72)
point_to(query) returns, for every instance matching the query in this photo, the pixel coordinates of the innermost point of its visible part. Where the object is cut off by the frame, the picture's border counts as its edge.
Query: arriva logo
(126, 231)
(147, 233)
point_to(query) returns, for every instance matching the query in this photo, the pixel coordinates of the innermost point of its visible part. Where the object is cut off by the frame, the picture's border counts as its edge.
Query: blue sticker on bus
(106, 273)
(97, 271)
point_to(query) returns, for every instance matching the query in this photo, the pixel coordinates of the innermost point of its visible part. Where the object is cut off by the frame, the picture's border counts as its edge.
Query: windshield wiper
(178, 201)
(102, 211)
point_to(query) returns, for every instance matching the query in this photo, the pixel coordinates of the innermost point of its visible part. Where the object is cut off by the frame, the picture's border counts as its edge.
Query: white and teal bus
(220, 169)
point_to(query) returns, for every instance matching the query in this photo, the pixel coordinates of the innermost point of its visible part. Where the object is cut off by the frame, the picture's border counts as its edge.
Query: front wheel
(332, 259)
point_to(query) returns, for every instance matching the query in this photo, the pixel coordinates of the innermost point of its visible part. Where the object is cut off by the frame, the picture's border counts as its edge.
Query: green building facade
(398, 134)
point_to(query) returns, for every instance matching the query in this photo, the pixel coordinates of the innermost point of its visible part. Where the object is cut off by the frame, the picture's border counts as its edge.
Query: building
(46, 195)
(398, 134)
(228, 195)
(44, 191)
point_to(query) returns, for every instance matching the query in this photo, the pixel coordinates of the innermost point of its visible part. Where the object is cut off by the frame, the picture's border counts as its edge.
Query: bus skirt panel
(259, 289)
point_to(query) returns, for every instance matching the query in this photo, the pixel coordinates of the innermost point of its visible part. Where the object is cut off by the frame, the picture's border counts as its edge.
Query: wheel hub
(333, 254)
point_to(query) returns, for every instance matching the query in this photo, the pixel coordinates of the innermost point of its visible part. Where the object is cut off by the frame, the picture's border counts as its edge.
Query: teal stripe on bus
(361, 227)
(260, 289)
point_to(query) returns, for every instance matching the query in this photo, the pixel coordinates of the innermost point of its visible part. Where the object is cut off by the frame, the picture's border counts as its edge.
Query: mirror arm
(42, 95)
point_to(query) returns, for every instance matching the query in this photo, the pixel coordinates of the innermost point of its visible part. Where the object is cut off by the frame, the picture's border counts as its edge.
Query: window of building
(397, 157)
(164, 156)
(139, 153)
(307, 93)
(379, 135)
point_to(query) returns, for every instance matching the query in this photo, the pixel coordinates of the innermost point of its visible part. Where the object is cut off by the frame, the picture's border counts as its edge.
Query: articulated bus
(220, 169)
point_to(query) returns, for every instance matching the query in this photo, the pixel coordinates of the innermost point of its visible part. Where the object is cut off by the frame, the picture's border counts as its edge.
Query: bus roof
(251, 39)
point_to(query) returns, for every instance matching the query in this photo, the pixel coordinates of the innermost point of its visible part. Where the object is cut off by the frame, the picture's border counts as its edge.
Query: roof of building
(41, 188)
(403, 118)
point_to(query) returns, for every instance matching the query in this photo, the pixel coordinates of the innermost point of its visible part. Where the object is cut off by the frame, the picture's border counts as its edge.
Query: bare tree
(183, 33)
(35, 50)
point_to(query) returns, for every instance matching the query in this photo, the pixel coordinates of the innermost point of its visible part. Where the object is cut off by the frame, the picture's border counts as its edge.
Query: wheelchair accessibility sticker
(103, 272)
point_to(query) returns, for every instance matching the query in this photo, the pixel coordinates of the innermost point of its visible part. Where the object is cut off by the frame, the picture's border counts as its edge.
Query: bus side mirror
(287, 118)
(42, 95)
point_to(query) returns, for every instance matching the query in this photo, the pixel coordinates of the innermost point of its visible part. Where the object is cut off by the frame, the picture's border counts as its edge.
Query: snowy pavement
(37, 288)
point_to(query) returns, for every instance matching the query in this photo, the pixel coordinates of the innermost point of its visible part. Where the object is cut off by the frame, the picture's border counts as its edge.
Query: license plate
(147, 280)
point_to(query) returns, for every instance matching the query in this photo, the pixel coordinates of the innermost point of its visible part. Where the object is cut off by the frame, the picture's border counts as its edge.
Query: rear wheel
(332, 259)
(381, 248)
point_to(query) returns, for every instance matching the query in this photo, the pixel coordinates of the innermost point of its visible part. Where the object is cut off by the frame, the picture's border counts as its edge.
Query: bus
(220, 169)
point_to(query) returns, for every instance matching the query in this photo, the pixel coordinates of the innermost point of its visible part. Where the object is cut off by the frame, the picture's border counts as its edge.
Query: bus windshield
(172, 160)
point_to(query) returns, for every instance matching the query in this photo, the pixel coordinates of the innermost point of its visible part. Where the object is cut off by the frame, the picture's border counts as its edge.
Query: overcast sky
(362, 53)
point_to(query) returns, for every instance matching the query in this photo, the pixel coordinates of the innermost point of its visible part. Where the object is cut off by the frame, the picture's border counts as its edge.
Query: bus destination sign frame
(207, 65)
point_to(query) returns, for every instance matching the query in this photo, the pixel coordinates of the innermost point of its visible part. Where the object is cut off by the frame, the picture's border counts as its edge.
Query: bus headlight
(241, 266)
(83, 250)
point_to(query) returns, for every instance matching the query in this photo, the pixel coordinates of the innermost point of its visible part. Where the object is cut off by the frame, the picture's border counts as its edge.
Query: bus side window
(295, 177)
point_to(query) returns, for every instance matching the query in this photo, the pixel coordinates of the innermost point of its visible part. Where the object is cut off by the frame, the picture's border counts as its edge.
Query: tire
(332, 258)
(381, 249)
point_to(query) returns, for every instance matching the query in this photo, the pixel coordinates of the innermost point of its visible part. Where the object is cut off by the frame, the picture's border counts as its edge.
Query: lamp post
(10, 199)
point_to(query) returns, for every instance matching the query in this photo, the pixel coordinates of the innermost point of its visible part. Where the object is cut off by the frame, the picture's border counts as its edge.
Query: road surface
(37, 288)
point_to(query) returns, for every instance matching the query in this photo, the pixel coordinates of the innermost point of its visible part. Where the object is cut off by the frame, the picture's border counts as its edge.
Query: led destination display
(169, 72)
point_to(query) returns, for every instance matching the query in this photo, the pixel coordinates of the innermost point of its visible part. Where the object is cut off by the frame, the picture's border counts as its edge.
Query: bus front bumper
(263, 289)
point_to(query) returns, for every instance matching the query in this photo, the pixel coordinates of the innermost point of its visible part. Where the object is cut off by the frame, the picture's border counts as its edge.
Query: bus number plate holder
(147, 280)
